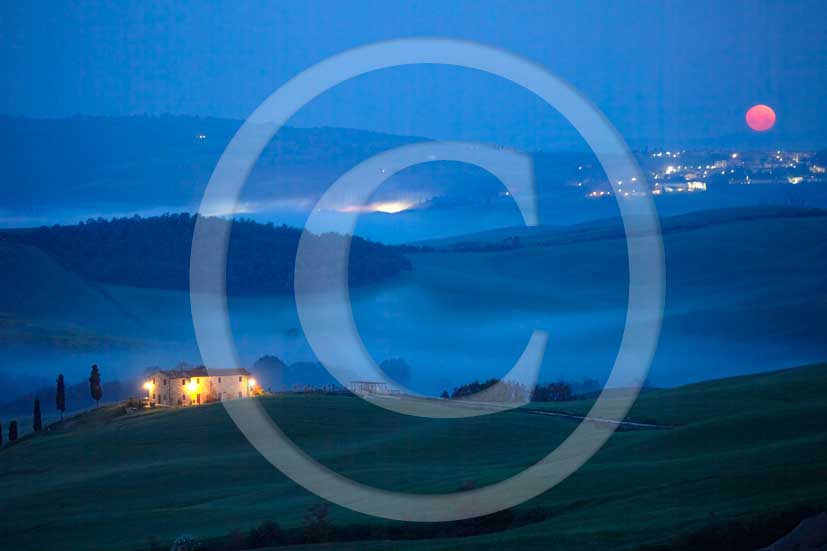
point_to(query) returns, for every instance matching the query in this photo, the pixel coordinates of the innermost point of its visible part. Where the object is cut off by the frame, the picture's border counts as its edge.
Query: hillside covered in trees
(155, 252)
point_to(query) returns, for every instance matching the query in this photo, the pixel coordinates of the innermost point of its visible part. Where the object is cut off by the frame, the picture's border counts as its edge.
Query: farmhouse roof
(202, 371)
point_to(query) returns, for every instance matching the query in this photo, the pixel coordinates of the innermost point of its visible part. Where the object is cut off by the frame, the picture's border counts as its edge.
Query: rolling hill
(745, 462)
(745, 293)
(154, 252)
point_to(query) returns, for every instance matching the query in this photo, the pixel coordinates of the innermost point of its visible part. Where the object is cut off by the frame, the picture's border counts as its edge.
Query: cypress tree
(95, 388)
(37, 422)
(12, 431)
(60, 396)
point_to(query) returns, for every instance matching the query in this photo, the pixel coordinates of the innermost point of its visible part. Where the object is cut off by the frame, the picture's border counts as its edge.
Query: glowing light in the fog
(760, 117)
(389, 207)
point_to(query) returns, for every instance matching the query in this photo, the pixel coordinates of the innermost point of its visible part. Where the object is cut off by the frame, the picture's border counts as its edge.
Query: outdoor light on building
(148, 386)
(252, 383)
(192, 386)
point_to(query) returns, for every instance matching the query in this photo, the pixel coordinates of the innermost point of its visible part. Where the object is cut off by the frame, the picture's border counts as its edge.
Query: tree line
(155, 252)
(514, 392)
(95, 390)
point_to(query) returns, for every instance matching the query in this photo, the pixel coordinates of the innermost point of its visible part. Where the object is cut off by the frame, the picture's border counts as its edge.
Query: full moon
(760, 117)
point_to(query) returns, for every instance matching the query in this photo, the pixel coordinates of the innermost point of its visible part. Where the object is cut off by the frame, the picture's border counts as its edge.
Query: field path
(626, 424)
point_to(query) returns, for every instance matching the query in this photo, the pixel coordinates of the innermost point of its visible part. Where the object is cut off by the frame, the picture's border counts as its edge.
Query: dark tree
(12, 431)
(95, 387)
(444, 395)
(316, 524)
(268, 534)
(472, 388)
(37, 420)
(1, 434)
(552, 392)
(60, 396)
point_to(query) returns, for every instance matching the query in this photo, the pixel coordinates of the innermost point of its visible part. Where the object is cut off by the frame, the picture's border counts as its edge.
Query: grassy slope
(612, 228)
(43, 303)
(732, 290)
(746, 446)
(775, 259)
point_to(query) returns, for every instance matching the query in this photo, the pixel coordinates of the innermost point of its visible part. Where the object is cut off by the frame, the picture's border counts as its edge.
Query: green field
(743, 449)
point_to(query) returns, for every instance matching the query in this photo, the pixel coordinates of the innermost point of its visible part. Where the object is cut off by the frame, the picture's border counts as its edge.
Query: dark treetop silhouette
(95, 388)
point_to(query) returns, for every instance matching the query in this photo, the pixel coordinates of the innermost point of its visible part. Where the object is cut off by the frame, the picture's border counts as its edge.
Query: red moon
(760, 117)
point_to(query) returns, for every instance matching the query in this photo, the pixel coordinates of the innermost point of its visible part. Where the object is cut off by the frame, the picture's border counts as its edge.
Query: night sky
(667, 74)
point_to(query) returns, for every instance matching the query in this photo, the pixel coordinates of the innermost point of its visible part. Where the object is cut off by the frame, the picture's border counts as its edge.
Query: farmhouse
(188, 387)
(369, 387)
